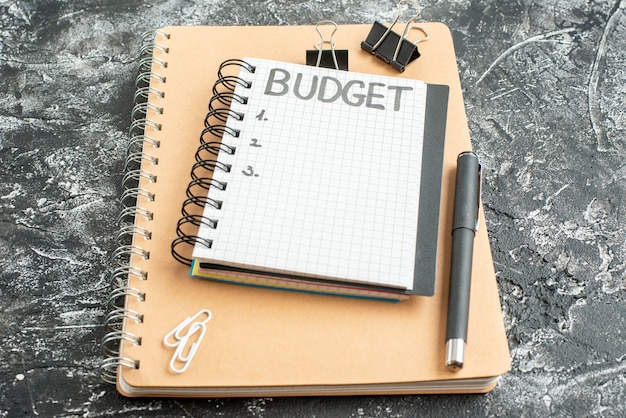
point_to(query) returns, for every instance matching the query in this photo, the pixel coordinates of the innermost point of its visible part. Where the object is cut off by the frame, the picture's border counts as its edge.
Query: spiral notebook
(325, 181)
(169, 334)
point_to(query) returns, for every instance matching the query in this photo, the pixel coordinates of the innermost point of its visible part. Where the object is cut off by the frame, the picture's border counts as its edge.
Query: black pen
(464, 226)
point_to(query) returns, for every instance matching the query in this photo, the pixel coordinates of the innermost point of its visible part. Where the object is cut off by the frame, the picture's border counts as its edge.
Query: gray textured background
(544, 84)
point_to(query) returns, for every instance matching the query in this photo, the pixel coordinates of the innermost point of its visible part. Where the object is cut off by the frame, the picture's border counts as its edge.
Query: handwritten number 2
(255, 143)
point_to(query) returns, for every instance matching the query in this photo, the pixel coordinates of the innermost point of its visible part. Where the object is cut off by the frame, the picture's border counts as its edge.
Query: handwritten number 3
(249, 171)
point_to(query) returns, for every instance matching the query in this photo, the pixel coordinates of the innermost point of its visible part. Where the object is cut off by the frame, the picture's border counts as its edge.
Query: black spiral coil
(138, 160)
(211, 143)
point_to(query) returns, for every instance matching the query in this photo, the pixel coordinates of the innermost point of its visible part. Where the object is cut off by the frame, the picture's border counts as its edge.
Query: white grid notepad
(325, 180)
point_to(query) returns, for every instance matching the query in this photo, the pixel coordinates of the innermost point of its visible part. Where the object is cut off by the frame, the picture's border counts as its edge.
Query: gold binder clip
(327, 58)
(392, 48)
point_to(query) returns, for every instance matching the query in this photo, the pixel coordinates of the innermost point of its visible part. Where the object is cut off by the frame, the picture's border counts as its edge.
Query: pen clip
(479, 190)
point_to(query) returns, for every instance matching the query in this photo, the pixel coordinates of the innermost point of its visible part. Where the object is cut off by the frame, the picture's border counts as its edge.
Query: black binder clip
(392, 48)
(327, 58)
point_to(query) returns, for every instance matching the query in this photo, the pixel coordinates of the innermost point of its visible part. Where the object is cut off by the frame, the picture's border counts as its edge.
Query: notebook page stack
(319, 181)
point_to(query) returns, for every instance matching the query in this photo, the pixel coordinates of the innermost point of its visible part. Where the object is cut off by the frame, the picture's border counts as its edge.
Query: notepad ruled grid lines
(333, 190)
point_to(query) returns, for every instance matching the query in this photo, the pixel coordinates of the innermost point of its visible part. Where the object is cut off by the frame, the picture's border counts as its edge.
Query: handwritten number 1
(260, 115)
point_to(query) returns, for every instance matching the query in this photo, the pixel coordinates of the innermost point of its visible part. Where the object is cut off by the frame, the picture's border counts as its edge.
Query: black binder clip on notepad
(392, 48)
(327, 58)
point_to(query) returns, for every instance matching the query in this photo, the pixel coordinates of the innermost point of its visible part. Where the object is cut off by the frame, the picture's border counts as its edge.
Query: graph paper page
(325, 179)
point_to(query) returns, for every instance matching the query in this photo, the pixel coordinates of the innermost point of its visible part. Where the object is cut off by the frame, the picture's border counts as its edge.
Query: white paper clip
(186, 338)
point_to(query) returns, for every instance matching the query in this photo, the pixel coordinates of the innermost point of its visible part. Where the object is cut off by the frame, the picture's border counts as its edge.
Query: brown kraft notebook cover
(262, 342)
